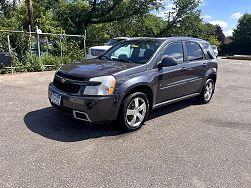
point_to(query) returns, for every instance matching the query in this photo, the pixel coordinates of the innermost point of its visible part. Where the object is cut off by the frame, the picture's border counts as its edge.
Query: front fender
(129, 83)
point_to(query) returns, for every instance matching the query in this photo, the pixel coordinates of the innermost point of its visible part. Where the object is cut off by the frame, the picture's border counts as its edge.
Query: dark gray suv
(133, 77)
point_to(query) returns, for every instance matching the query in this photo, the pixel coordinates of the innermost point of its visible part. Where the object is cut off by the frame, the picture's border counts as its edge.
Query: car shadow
(52, 124)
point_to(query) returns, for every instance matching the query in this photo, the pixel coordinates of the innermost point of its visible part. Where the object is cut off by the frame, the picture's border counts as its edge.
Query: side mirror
(167, 62)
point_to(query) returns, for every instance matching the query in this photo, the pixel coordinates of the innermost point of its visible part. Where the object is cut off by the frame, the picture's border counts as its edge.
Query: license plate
(56, 99)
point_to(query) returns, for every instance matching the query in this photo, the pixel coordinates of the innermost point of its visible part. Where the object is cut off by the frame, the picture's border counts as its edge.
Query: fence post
(38, 42)
(30, 44)
(9, 47)
(47, 42)
(85, 43)
(22, 51)
(61, 48)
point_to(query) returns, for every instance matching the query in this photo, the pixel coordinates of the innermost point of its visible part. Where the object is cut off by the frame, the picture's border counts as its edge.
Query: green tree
(181, 11)
(137, 26)
(192, 25)
(214, 41)
(77, 15)
(6, 6)
(219, 34)
(242, 35)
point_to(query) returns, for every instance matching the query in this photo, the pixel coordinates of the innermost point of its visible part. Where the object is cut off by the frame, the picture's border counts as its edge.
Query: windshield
(136, 51)
(112, 42)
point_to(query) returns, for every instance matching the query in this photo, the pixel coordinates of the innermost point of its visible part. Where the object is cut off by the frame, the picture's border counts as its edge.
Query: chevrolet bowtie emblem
(63, 80)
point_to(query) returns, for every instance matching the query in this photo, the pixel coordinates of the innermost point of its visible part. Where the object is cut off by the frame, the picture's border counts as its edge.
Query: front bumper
(95, 109)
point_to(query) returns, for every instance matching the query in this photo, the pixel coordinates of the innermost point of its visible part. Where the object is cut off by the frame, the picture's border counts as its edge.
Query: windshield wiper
(123, 60)
(105, 57)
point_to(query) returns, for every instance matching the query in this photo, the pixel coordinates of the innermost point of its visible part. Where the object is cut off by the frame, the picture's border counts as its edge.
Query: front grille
(66, 86)
(61, 74)
(96, 52)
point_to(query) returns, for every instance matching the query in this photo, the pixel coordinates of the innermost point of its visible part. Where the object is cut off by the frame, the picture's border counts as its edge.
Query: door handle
(204, 64)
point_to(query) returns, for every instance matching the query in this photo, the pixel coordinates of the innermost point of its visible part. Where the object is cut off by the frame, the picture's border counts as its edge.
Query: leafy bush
(51, 60)
(32, 64)
(214, 41)
(46, 62)
(3, 71)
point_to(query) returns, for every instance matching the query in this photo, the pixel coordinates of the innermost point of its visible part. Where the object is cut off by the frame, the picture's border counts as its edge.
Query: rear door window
(194, 51)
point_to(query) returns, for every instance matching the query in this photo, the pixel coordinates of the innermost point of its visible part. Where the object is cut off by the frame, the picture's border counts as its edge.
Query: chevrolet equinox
(134, 77)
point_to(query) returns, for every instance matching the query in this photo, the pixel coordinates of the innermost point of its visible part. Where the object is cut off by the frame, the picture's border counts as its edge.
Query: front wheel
(207, 92)
(133, 111)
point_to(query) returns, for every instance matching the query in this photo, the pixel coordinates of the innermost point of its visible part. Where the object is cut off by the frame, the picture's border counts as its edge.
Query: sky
(225, 13)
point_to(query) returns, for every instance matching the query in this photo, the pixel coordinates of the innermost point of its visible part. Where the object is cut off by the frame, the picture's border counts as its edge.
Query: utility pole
(30, 14)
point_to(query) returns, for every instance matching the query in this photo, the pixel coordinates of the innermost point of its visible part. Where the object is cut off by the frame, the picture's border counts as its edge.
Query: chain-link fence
(23, 51)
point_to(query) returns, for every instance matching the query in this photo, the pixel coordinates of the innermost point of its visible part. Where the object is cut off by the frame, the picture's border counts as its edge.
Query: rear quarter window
(209, 51)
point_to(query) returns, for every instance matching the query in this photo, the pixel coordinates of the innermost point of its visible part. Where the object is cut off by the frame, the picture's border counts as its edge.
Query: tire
(207, 92)
(133, 114)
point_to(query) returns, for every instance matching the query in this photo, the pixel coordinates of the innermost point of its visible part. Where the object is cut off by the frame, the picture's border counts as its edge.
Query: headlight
(106, 87)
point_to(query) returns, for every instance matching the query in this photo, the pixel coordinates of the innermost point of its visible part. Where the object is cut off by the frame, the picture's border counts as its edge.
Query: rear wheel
(133, 111)
(207, 92)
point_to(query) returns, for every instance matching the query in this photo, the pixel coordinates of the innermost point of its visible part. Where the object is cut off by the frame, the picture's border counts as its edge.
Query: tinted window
(194, 51)
(209, 50)
(175, 51)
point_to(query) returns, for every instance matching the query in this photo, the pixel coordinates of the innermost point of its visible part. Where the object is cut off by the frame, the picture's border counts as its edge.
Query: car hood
(95, 67)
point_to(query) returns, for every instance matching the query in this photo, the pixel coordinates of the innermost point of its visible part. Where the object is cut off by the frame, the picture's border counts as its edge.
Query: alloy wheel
(209, 91)
(136, 112)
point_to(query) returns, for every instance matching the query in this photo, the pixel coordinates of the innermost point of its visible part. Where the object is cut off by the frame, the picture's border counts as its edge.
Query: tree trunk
(30, 14)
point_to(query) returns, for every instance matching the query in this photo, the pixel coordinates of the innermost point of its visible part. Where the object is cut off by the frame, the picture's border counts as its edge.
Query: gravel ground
(182, 145)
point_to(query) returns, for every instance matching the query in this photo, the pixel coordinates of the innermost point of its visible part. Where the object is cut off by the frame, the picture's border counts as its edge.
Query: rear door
(173, 80)
(197, 66)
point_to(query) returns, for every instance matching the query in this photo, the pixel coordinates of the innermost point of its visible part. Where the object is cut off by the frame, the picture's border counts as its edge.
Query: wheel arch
(144, 88)
(212, 76)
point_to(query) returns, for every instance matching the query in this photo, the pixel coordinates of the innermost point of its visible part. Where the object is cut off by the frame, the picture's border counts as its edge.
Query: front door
(173, 80)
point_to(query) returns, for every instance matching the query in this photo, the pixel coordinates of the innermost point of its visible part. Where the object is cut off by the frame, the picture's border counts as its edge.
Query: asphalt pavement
(181, 145)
